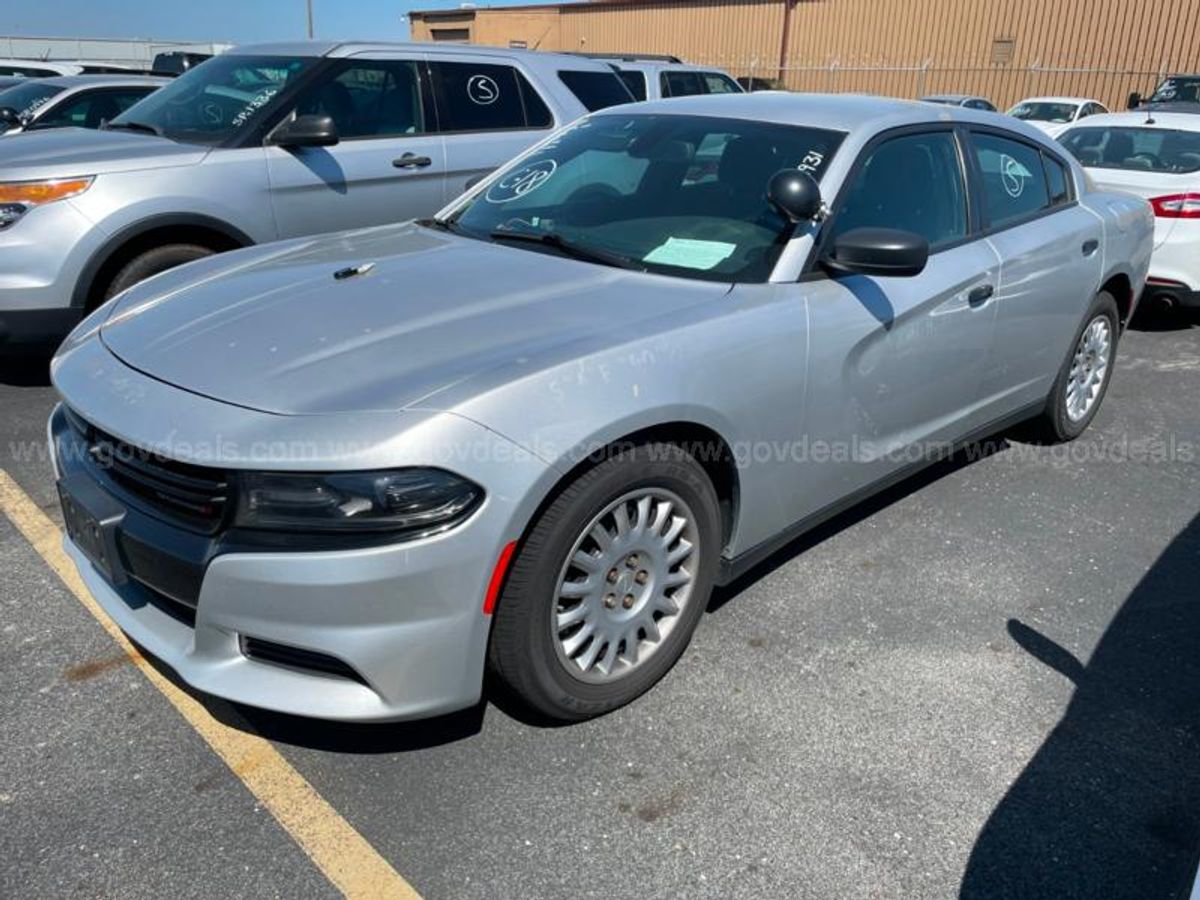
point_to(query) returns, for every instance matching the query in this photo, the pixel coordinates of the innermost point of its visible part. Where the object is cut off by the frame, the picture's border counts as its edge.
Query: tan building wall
(1003, 49)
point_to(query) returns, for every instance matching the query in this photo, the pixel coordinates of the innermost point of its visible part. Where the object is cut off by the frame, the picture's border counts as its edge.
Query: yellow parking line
(341, 853)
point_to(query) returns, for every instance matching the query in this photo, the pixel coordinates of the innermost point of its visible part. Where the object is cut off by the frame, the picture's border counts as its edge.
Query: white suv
(657, 77)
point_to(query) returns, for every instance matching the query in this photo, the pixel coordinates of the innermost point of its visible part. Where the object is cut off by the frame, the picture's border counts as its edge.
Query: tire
(1059, 421)
(530, 653)
(151, 262)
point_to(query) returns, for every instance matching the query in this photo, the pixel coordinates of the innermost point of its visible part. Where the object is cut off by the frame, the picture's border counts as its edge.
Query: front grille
(176, 609)
(196, 495)
(297, 658)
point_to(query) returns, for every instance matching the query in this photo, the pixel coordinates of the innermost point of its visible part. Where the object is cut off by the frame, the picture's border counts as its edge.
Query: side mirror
(9, 118)
(795, 194)
(1135, 100)
(305, 131)
(878, 251)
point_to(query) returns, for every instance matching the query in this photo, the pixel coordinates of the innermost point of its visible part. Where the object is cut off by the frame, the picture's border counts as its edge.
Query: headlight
(18, 197)
(404, 500)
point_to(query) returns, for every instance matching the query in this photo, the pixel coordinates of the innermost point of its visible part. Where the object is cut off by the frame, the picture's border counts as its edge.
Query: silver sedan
(342, 476)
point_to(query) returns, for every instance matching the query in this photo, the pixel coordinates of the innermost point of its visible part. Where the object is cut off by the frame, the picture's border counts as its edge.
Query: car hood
(286, 329)
(66, 152)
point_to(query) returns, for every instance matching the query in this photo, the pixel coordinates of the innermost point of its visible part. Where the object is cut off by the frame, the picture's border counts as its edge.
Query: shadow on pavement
(25, 367)
(1110, 804)
(964, 457)
(1151, 319)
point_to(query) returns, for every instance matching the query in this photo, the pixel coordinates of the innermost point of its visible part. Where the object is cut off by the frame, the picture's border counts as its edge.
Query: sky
(236, 21)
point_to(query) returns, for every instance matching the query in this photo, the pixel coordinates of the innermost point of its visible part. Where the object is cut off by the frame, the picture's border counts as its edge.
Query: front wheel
(153, 261)
(1083, 381)
(609, 584)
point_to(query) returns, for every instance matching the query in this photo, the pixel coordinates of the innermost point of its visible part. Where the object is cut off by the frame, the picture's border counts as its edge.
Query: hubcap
(1088, 368)
(625, 584)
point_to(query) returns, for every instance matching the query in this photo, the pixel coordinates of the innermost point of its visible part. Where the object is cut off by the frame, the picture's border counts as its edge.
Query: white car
(37, 68)
(1054, 115)
(1154, 155)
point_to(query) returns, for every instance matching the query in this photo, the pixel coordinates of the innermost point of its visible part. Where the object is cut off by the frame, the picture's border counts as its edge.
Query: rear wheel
(1083, 381)
(609, 584)
(151, 262)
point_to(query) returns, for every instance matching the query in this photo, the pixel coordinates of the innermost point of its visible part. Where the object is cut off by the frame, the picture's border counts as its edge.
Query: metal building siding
(1067, 33)
(1097, 48)
(1100, 48)
(737, 31)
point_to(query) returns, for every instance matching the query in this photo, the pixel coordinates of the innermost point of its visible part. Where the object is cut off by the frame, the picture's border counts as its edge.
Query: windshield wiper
(143, 127)
(570, 248)
(441, 225)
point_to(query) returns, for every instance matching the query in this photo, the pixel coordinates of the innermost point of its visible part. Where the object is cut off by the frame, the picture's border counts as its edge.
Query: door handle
(981, 294)
(1090, 247)
(412, 161)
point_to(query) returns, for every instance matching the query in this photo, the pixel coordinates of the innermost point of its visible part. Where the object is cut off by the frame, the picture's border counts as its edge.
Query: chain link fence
(1003, 85)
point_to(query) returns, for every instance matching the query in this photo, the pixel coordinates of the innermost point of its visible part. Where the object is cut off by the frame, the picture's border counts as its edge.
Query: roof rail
(632, 57)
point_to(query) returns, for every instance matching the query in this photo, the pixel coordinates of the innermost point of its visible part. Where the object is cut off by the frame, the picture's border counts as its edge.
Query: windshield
(27, 98)
(1145, 149)
(215, 100)
(683, 195)
(1178, 89)
(1042, 111)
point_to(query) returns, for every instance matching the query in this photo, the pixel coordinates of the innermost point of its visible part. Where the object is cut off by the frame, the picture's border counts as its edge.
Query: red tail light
(1177, 206)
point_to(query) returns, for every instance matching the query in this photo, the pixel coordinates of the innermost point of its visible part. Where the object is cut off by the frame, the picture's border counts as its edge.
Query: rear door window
(596, 90)
(1013, 179)
(635, 82)
(1057, 181)
(485, 97)
(720, 83)
(682, 83)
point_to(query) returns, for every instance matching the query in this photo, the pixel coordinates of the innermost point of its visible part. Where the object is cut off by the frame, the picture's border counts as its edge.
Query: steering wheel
(1155, 162)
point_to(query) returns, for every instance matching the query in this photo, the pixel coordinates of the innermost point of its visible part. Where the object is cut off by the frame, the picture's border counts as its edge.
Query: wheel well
(703, 444)
(212, 238)
(1122, 291)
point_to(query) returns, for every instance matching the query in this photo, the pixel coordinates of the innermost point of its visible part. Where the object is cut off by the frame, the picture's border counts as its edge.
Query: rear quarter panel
(1128, 236)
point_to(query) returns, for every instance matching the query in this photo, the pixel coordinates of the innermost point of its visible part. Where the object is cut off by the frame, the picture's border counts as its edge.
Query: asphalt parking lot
(983, 684)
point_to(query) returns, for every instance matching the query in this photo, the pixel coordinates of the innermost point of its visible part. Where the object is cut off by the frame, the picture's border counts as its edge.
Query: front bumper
(42, 258)
(406, 619)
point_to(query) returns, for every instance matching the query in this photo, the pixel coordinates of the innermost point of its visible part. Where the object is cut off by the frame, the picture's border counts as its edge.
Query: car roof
(82, 81)
(954, 97)
(50, 64)
(847, 113)
(1140, 119)
(657, 64)
(1078, 101)
(343, 49)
